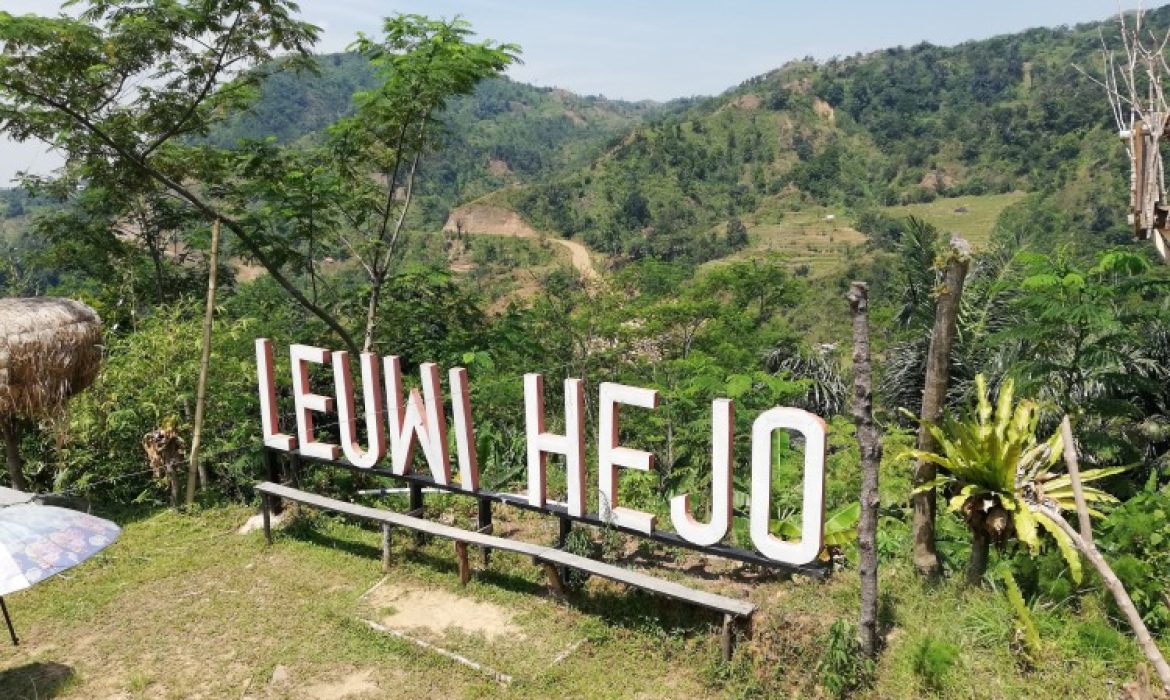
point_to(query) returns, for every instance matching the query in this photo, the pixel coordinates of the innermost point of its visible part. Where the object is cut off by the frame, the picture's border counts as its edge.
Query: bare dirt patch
(824, 110)
(437, 612)
(747, 102)
(499, 167)
(351, 685)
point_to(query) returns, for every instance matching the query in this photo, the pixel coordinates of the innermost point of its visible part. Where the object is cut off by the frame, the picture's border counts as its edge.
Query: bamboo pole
(196, 469)
(1085, 545)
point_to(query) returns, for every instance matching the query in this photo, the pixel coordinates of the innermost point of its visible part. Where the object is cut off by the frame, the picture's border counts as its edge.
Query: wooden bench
(735, 612)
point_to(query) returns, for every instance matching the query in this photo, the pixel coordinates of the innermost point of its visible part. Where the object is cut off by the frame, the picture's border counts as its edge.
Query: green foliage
(1025, 625)
(1002, 474)
(844, 668)
(1136, 539)
(933, 659)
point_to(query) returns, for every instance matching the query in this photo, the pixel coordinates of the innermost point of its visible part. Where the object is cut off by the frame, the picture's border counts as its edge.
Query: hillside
(894, 127)
(504, 134)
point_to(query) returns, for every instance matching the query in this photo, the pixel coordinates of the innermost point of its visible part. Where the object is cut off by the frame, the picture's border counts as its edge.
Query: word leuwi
(419, 421)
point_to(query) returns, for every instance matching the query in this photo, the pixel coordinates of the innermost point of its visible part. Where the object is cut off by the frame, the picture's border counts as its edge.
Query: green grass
(975, 224)
(182, 606)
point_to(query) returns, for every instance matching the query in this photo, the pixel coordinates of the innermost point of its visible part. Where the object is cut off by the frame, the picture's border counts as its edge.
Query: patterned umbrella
(38, 541)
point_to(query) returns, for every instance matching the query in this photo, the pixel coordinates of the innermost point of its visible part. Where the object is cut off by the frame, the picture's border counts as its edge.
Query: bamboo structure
(50, 349)
(1133, 84)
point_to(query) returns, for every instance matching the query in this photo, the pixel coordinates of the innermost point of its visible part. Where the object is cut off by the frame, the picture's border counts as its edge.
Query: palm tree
(1003, 479)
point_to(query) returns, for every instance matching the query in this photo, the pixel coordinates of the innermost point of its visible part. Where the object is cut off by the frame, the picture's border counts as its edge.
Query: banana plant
(840, 529)
(1003, 477)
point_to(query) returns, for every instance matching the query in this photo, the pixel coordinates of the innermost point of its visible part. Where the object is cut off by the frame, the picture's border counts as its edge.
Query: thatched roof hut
(50, 349)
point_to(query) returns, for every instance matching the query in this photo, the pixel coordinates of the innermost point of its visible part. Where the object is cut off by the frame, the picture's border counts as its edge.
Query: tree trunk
(980, 552)
(12, 435)
(870, 444)
(934, 393)
(372, 314)
(195, 468)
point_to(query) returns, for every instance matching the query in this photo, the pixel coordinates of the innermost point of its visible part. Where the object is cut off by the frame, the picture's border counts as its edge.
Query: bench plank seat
(539, 553)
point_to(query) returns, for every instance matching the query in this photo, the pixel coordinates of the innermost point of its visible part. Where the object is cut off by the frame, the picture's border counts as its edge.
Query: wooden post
(869, 442)
(386, 541)
(934, 394)
(464, 565)
(484, 521)
(197, 470)
(565, 527)
(266, 513)
(12, 434)
(727, 637)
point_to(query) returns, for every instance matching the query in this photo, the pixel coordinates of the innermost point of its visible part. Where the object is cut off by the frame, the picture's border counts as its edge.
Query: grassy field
(973, 217)
(183, 607)
(820, 240)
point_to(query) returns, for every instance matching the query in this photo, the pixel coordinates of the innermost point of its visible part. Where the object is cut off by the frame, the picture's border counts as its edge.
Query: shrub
(933, 659)
(844, 668)
(1136, 539)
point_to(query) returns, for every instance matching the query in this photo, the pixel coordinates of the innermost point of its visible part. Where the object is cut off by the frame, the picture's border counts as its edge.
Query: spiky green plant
(1003, 477)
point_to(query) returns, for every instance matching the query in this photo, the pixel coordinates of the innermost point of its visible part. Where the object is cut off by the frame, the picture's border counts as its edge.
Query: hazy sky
(659, 50)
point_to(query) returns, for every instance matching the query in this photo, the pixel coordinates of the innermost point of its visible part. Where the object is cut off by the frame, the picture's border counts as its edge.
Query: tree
(737, 234)
(127, 87)
(376, 151)
(934, 393)
(869, 442)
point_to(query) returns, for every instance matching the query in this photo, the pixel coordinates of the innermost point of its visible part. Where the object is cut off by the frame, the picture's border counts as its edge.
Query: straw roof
(50, 349)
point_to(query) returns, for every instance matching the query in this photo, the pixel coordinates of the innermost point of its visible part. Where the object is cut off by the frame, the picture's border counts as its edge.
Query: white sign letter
(722, 437)
(269, 417)
(541, 443)
(411, 422)
(372, 390)
(610, 455)
(305, 402)
(464, 430)
(812, 514)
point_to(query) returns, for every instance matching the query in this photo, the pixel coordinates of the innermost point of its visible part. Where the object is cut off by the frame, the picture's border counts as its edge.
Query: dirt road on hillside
(483, 219)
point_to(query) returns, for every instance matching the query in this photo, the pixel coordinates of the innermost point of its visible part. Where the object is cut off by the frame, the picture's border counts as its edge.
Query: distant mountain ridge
(636, 180)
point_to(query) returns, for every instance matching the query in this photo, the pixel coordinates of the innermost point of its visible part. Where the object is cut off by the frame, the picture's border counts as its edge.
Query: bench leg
(464, 566)
(728, 637)
(266, 514)
(416, 504)
(385, 548)
(564, 529)
(272, 466)
(485, 525)
(555, 585)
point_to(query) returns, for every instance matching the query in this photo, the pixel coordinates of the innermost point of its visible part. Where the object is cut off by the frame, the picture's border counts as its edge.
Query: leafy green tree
(127, 86)
(423, 63)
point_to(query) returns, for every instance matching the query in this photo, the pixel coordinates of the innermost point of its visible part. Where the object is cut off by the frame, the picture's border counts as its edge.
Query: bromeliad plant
(1003, 479)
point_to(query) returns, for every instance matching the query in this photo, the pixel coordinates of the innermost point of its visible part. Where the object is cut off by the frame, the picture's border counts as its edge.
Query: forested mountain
(896, 126)
(638, 180)
(504, 134)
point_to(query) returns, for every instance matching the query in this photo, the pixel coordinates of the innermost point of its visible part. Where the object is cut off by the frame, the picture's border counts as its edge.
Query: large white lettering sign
(396, 423)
